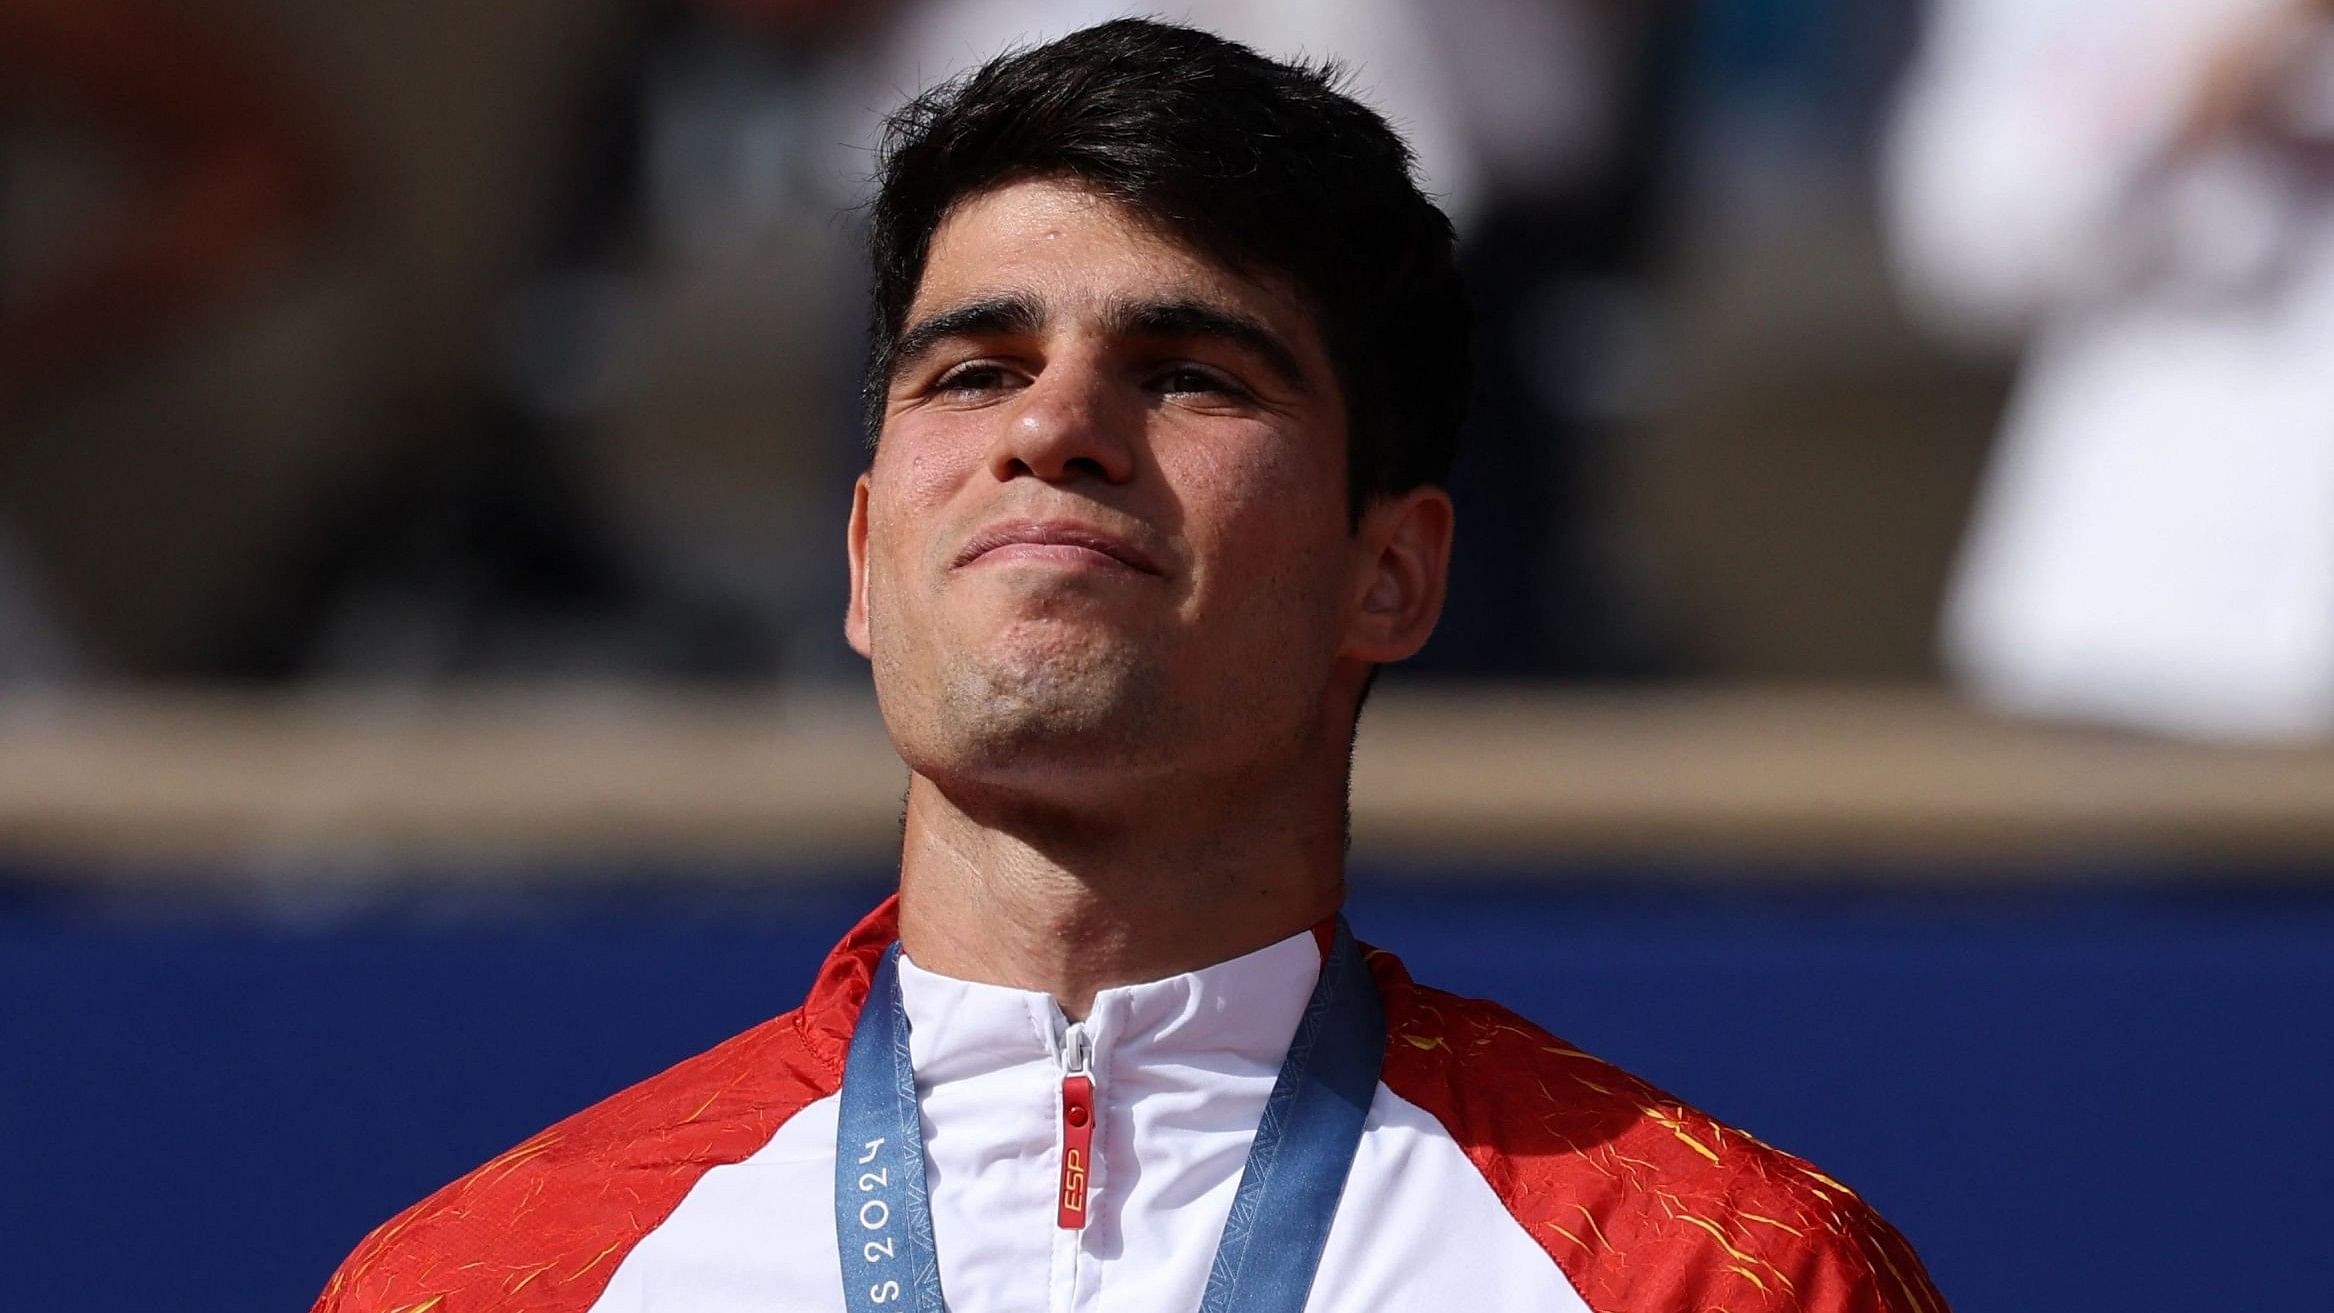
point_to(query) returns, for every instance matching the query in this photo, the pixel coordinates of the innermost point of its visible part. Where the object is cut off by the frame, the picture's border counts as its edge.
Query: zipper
(1077, 1128)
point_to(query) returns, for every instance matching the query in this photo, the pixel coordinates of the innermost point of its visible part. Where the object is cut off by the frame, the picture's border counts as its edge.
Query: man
(1170, 358)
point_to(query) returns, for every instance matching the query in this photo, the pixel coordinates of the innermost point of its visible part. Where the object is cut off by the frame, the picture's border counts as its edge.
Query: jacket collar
(1245, 1007)
(1239, 1012)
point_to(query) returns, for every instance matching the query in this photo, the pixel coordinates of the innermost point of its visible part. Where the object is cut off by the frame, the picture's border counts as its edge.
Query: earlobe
(1405, 545)
(855, 547)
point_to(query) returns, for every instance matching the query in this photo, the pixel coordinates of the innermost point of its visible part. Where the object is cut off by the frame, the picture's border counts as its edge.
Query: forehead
(1078, 251)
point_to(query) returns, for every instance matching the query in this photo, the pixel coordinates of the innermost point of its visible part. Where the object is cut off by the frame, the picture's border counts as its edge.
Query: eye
(973, 378)
(1187, 380)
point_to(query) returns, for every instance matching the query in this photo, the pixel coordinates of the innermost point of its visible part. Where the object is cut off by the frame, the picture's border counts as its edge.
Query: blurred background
(1887, 695)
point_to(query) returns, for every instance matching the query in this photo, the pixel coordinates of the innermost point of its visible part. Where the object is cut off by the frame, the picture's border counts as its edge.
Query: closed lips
(1056, 535)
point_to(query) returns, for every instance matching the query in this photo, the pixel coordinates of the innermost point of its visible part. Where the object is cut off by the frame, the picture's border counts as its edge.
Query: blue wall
(2100, 1093)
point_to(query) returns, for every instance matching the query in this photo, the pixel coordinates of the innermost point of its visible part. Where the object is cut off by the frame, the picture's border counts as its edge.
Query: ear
(1402, 560)
(855, 547)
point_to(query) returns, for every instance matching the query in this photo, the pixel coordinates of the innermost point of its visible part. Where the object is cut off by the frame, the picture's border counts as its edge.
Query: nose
(1069, 424)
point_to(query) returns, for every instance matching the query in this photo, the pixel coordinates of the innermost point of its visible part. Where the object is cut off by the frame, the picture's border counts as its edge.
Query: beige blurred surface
(1888, 777)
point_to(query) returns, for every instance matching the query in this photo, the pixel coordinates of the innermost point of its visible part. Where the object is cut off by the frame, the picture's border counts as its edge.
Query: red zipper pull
(1077, 1130)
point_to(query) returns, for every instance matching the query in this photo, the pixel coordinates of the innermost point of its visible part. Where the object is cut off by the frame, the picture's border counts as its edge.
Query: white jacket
(1498, 1167)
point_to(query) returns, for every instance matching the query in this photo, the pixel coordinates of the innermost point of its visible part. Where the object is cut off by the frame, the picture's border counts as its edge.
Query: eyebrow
(1197, 319)
(1018, 314)
(991, 316)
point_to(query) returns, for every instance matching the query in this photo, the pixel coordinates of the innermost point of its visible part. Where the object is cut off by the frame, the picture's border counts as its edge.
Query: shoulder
(1644, 1202)
(541, 1227)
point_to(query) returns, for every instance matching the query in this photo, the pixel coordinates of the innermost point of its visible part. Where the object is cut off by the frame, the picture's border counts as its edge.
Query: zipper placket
(1074, 1198)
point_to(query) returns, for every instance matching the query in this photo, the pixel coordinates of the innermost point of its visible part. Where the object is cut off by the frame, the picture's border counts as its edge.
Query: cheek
(1275, 483)
(919, 466)
(911, 481)
(1275, 524)
(935, 470)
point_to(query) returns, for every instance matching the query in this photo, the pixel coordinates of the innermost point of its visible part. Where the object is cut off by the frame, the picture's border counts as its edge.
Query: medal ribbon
(1288, 1191)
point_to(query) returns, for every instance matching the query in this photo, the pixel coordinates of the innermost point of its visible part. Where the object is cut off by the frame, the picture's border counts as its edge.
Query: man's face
(1106, 524)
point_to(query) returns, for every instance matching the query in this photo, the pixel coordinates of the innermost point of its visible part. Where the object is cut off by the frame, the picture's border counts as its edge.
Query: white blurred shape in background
(1505, 93)
(2143, 191)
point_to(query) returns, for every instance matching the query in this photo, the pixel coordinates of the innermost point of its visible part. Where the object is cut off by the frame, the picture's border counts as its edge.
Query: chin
(1027, 713)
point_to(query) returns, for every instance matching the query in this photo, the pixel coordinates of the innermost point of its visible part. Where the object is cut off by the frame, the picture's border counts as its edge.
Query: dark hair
(1265, 166)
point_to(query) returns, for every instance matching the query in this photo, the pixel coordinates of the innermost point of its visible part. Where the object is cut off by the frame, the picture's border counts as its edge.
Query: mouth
(1056, 541)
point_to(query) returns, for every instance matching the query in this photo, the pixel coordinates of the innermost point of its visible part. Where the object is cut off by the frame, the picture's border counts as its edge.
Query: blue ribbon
(883, 1215)
(1288, 1193)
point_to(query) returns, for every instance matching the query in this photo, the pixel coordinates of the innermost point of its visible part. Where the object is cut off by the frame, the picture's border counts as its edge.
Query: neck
(1032, 898)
